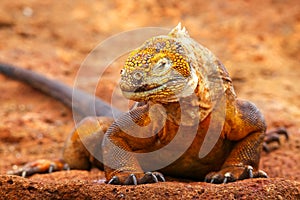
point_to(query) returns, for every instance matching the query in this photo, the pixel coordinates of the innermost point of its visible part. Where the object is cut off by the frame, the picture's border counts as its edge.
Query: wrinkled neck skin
(184, 111)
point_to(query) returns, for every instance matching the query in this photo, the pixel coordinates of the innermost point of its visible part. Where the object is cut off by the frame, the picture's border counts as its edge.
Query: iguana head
(160, 70)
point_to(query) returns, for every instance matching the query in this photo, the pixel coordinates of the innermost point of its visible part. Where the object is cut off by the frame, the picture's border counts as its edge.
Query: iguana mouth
(145, 87)
(144, 90)
(147, 91)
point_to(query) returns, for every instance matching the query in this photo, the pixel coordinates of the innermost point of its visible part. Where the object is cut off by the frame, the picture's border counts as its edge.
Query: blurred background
(258, 42)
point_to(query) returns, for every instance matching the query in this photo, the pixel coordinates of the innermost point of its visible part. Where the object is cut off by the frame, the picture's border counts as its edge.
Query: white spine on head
(178, 32)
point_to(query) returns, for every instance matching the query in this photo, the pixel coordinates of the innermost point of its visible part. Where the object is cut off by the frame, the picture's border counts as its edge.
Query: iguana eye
(163, 64)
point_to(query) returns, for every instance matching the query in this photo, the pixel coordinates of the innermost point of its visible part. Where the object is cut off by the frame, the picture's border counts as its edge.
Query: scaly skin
(186, 102)
(183, 76)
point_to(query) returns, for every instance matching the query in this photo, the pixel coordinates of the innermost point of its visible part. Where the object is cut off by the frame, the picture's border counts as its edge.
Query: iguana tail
(82, 103)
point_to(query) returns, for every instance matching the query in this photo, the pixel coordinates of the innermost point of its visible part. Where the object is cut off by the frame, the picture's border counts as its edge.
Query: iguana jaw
(170, 91)
(158, 93)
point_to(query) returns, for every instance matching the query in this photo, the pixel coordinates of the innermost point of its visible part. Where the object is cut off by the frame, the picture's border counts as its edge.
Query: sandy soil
(258, 41)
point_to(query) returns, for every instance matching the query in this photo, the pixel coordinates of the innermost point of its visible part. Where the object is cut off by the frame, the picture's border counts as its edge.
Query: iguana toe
(152, 177)
(234, 173)
(114, 181)
(274, 136)
(40, 166)
(136, 179)
(131, 180)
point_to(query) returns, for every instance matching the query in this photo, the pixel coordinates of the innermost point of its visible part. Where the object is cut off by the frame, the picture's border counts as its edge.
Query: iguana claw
(274, 136)
(228, 177)
(133, 179)
(114, 181)
(40, 166)
(151, 177)
(234, 173)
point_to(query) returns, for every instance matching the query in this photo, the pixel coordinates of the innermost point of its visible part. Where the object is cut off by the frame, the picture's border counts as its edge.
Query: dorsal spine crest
(179, 31)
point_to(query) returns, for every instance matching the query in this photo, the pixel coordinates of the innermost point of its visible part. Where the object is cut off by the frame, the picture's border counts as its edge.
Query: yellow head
(158, 71)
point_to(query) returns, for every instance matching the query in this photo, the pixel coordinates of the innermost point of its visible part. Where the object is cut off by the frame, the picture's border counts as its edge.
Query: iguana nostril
(122, 72)
(138, 75)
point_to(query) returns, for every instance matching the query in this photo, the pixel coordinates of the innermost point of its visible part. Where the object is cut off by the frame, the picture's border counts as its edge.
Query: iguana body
(186, 94)
(189, 82)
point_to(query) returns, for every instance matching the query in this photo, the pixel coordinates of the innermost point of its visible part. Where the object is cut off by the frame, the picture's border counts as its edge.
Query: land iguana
(186, 100)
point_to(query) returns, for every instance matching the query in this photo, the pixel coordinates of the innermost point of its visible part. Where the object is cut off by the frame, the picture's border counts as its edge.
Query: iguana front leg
(243, 161)
(247, 132)
(119, 144)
